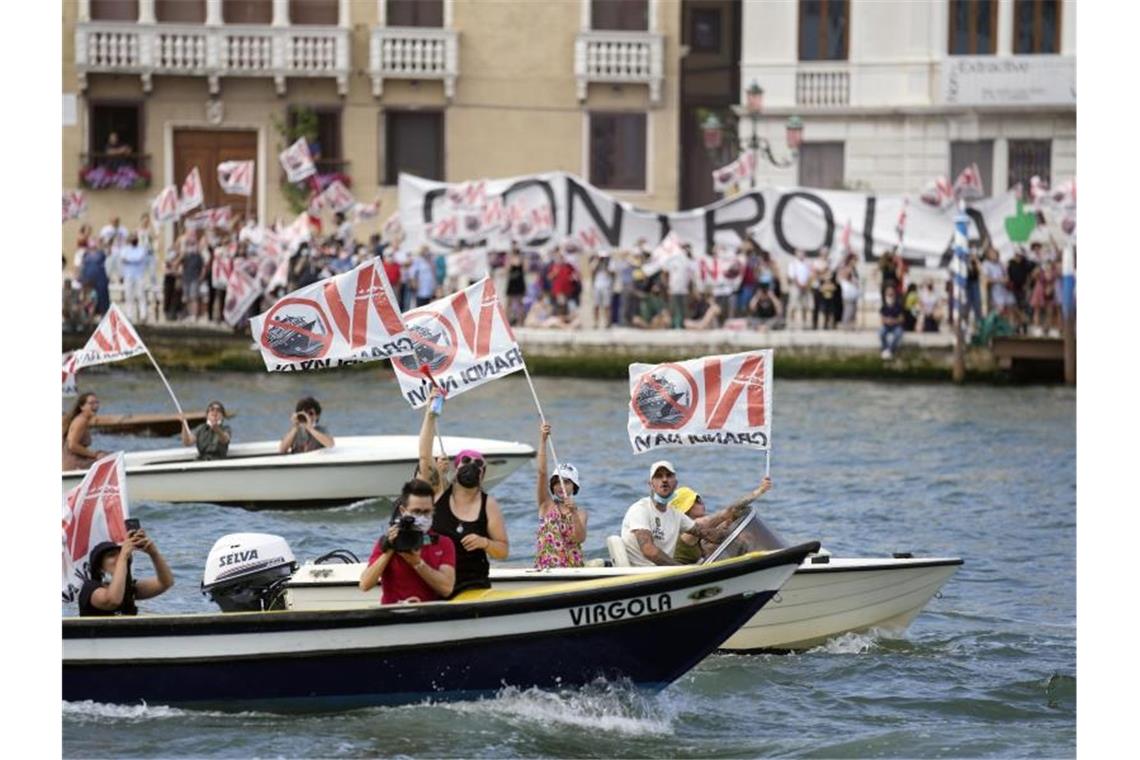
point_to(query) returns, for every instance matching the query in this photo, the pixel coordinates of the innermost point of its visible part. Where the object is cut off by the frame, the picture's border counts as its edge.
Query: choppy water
(989, 669)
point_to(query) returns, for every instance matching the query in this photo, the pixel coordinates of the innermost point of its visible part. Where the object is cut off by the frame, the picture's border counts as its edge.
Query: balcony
(397, 52)
(212, 51)
(620, 58)
(118, 171)
(823, 88)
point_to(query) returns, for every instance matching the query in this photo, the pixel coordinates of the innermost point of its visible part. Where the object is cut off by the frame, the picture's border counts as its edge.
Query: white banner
(192, 196)
(712, 401)
(74, 204)
(236, 177)
(93, 512)
(350, 318)
(164, 208)
(337, 197)
(114, 339)
(69, 386)
(241, 291)
(781, 220)
(735, 172)
(464, 340)
(297, 161)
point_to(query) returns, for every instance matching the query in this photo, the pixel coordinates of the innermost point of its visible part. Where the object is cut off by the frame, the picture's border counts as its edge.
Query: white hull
(820, 601)
(255, 475)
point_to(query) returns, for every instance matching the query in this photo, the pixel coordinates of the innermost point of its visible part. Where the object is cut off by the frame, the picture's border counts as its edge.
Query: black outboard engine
(245, 570)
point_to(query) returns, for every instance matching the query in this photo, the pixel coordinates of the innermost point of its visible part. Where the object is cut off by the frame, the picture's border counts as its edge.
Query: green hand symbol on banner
(1021, 225)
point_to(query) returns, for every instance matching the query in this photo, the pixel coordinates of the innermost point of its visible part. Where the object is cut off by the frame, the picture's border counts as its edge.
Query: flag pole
(542, 417)
(425, 370)
(169, 390)
(767, 463)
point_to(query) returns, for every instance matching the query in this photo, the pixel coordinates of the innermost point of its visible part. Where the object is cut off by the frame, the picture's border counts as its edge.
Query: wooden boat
(150, 425)
(827, 597)
(256, 476)
(649, 629)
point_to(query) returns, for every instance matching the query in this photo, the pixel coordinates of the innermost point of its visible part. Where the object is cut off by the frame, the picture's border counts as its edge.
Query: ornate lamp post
(713, 132)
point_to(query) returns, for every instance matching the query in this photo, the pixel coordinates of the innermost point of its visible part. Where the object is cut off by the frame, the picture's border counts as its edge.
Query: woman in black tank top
(472, 568)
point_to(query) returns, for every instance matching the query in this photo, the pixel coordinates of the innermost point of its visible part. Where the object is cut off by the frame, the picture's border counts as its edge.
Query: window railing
(414, 53)
(825, 87)
(619, 58)
(115, 171)
(212, 51)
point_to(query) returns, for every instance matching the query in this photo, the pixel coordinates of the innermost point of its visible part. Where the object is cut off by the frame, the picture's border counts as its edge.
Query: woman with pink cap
(464, 512)
(561, 523)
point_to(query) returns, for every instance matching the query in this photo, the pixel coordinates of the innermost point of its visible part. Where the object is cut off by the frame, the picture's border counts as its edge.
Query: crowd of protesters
(556, 286)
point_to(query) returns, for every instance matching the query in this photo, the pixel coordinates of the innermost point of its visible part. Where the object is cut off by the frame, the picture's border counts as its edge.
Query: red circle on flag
(296, 329)
(665, 397)
(435, 343)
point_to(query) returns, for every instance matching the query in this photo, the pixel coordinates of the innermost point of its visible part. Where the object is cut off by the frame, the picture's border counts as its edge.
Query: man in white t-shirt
(799, 290)
(682, 270)
(650, 528)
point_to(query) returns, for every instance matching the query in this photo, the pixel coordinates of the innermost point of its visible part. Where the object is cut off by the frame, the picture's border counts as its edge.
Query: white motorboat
(256, 476)
(827, 597)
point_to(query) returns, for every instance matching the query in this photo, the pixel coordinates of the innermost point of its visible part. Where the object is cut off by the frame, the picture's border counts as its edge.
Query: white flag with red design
(93, 512)
(937, 192)
(367, 210)
(968, 185)
(731, 174)
(69, 384)
(236, 177)
(242, 290)
(114, 339)
(192, 196)
(464, 340)
(164, 208)
(712, 401)
(74, 204)
(350, 318)
(337, 197)
(297, 161)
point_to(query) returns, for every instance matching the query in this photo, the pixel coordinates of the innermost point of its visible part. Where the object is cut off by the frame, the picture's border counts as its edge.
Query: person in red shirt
(563, 275)
(392, 269)
(426, 574)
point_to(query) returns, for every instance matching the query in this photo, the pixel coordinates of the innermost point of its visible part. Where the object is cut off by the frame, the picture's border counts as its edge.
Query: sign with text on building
(986, 80)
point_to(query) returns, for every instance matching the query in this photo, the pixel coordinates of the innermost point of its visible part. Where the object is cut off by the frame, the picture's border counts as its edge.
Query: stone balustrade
(620, 58)
(414, 53)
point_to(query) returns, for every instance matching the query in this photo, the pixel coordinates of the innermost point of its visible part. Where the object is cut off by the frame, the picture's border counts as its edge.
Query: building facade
(895, 94)
(446, 89)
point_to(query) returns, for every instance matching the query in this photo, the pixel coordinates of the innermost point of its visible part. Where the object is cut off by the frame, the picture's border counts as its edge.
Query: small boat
(827, 597)
(649, 629)
(256, 476)
(152, 425)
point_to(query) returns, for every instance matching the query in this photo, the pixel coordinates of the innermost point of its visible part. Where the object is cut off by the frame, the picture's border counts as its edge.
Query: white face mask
(423, 523)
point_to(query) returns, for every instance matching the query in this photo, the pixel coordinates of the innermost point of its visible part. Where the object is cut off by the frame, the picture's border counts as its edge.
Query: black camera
(408, 536)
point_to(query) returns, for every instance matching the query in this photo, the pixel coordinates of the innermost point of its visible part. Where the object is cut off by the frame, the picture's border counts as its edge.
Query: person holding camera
(101, 598)
(211, 437)
(411, 562)
(306, 433)
(464, 512)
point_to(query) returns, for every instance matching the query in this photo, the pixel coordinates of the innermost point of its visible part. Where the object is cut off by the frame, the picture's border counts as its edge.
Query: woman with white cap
(561, 523)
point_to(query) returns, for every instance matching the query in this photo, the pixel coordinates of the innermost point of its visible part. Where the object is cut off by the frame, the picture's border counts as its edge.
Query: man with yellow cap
(688, 502)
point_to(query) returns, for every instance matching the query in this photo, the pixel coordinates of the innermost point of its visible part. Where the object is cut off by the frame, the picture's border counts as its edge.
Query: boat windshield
(748, 534)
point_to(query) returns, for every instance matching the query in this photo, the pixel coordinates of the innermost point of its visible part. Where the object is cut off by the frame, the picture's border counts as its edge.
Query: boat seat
(617, 551)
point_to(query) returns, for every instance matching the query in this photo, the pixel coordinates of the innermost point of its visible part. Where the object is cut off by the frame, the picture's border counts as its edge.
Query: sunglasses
(472, 460)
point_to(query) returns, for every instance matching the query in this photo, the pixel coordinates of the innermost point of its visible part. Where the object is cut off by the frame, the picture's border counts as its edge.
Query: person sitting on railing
(212, 437)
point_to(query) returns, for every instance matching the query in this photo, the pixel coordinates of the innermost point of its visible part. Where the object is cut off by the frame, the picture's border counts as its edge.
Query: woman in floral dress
(561, 523)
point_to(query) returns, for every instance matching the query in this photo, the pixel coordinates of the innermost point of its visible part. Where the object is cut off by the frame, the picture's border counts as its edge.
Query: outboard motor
(244, 571)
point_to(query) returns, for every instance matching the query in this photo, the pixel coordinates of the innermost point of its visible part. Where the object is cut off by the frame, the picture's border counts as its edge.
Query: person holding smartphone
(111, 590)
(306, 434)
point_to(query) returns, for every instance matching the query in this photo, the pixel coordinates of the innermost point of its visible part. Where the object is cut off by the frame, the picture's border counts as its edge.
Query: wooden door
(206, 148)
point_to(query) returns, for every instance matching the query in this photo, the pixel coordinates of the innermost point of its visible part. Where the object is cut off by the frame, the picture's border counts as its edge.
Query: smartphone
(132, 524)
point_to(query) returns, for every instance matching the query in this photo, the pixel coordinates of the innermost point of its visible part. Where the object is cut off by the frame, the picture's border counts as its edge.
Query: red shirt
(399, 581)
(392, 269)
(562, 279)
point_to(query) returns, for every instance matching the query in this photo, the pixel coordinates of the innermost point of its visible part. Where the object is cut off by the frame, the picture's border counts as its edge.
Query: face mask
(659, 499)
(557, 498)
(423, 523)
(468, 475)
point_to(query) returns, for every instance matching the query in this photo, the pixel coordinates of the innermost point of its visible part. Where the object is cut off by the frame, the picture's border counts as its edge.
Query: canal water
(984, 473)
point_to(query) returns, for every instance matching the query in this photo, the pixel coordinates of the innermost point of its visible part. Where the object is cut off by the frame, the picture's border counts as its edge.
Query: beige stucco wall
(515, 110)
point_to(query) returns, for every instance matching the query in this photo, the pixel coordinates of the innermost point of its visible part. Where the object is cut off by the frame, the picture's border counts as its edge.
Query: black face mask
(468, 475)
